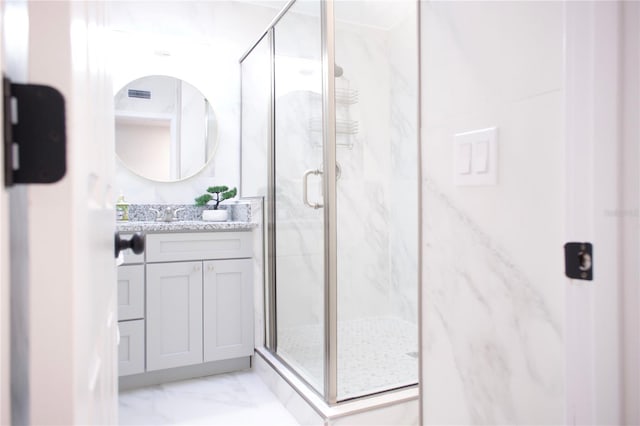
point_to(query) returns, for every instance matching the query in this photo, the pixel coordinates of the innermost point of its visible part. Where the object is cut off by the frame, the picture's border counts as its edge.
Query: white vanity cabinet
(198, 300)
(131, 347)
(174, 314)
(228, 312)
(130, 292)
(131, 353)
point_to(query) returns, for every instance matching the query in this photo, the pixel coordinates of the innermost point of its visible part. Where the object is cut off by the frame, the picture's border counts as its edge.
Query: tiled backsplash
(239, 211)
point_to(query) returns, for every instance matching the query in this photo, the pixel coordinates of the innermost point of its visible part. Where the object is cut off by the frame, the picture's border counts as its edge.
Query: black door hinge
(35, 140)
(578, 261)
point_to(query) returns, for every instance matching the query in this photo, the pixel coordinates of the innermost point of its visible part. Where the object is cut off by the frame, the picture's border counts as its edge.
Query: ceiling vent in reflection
(140, 94)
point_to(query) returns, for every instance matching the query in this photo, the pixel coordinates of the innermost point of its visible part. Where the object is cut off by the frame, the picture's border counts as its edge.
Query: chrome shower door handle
(305, 180)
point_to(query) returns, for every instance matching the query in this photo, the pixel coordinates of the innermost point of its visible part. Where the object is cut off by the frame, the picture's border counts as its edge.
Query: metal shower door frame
(330, 208)
(330, 355)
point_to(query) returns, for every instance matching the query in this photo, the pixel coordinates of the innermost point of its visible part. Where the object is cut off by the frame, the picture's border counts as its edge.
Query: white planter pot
(219, 215)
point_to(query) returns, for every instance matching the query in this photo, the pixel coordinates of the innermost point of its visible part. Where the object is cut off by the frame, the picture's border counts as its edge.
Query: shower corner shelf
(347, 96)
(343, 127)
(343, 96)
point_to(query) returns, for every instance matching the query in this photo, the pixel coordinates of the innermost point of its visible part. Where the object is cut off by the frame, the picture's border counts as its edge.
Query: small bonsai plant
(220, 193)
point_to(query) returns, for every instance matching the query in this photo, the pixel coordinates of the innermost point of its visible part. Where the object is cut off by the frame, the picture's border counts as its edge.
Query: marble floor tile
(239, 398)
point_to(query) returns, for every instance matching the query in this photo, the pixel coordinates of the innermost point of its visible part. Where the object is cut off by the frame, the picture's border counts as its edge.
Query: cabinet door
(131, 347)
(228, 309)
(130, 292)
(174, 314)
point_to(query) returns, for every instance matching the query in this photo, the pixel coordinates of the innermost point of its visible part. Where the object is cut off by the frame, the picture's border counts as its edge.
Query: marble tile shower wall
(405, 163)
(363, 208)
(494, 289)
(377, 192)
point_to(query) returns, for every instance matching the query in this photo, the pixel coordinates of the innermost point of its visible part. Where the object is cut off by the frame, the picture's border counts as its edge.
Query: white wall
(205, 41)
(493, 295)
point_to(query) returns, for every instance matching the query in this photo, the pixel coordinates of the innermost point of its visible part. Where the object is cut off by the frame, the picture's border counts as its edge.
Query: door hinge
(578, 261)
(35, 141)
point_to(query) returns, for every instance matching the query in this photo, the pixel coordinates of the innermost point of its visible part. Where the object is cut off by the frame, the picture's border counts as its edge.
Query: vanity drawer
(130, 292)
(131, 347)
(128, 255)
(197, 246)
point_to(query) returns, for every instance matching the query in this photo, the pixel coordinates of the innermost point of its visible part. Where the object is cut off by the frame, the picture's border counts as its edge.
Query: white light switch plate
(480, 160)
(475, 160)
(463, 158)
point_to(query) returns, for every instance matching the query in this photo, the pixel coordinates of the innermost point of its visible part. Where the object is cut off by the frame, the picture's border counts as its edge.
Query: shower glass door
(376, 87)
(297, 168)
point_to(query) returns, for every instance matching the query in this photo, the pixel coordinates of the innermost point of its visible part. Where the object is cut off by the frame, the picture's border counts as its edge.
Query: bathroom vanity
(185, 306)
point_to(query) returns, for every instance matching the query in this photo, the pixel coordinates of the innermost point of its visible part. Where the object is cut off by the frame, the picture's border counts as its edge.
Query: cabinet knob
(210, 268)
(196, 268)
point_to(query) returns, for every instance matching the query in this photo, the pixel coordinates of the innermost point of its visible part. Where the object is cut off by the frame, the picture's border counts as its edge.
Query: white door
(630, 209)
(69, 310)
(4, 285)
(595, 211)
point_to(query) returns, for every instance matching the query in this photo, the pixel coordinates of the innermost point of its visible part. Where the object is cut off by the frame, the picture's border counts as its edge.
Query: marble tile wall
(377, 192)
(493, 295)
(405, 163)
(363, 208)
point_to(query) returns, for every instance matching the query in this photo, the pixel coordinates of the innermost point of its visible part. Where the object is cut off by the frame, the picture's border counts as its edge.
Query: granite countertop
(183, 225)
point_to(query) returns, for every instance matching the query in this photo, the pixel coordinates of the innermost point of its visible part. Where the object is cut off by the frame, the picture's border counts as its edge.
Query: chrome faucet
(168, 214)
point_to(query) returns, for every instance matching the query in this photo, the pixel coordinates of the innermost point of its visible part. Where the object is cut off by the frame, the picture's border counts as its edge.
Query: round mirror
(165, 128)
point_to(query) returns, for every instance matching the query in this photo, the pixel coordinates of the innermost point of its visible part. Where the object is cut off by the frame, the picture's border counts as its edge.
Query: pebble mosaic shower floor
(374, 354)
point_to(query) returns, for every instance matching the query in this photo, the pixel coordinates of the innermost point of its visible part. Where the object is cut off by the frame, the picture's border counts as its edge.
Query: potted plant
(217, 194)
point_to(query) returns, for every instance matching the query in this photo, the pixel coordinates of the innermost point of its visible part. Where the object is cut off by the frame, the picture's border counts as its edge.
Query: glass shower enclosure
(329, 139)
